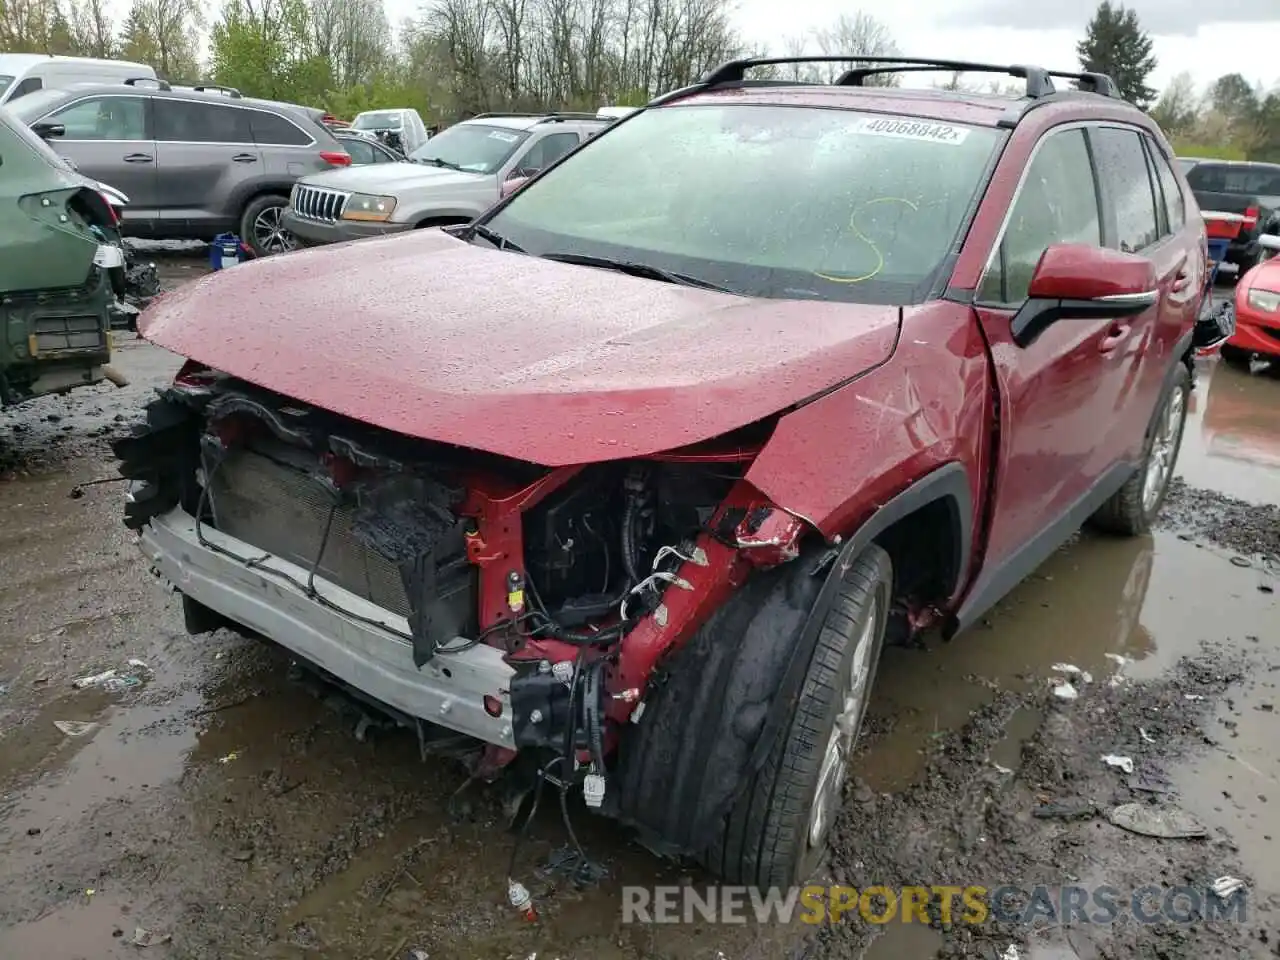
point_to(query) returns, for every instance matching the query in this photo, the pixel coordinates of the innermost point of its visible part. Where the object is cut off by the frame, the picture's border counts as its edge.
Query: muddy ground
(223, 803)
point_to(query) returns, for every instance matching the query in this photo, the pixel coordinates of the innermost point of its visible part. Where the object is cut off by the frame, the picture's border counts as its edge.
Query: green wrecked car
(57, 242)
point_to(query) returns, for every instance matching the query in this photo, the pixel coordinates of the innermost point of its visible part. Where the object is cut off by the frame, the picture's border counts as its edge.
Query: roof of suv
(149, 88)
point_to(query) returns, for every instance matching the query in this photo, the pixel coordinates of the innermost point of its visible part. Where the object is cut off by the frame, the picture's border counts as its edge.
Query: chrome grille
(319, 203)
(284, 511)
(68, 334)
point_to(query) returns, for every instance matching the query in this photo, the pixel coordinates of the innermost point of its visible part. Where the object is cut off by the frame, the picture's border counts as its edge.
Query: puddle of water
(1232, 439)
(136, 747)
(1140, 598)
(905, 941)
(84, 929)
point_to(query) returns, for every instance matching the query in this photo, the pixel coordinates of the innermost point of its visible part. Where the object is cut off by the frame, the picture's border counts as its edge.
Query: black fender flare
(677, 784)
(949, 484)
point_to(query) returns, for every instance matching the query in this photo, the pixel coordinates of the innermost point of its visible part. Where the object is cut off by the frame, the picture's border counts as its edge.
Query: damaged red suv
(633, 477)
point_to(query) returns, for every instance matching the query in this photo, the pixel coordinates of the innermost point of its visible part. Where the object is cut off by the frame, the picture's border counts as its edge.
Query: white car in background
(23, 73)
(385, 125)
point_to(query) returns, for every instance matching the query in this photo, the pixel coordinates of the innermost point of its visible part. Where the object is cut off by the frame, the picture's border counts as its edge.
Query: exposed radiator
(283, 511)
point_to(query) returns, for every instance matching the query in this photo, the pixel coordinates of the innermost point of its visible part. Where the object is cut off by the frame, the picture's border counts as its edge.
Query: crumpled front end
(521, 605)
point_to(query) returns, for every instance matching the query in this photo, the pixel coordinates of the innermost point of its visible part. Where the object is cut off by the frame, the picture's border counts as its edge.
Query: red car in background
(1257, 317)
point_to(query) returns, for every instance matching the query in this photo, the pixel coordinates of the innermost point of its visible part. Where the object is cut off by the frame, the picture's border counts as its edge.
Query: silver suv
(452, 178)
(194, 162)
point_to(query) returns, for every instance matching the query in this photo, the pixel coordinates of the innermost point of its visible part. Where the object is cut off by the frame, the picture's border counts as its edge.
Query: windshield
(4, 83)
(764, 201)
(474, 147)
(1186, 165)
(378, 121)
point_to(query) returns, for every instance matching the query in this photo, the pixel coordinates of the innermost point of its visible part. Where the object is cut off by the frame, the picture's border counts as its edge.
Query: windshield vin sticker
(907, 129)
(504, 137)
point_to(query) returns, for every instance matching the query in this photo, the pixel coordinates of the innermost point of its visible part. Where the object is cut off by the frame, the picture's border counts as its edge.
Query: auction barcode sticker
(905, 128)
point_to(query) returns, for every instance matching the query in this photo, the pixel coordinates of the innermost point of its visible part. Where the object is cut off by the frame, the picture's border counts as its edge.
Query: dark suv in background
(194, 162)
(1237, 186)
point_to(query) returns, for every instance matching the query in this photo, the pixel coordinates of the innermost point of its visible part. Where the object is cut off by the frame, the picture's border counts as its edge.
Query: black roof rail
(231, 92)
(1099, 83)
(544, 115)
(155, 81)
(1039, 82)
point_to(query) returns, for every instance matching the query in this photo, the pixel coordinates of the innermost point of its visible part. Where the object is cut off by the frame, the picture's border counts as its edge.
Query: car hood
(391, 178)
(1265, 276)
(435, 338)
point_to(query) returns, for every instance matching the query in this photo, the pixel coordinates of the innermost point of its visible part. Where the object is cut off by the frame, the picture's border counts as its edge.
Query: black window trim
(996, 252)
(148, 126)
(251, 142)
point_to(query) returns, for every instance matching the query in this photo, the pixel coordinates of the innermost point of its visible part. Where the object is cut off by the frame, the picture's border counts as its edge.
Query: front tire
(1134, 507)
(261, 227)
(776, 834)
(1235, 357)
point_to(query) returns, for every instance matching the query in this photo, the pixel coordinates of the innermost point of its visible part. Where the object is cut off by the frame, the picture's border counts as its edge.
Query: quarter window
(185, 121)
(104, 118)
(272, 130)
(1057, 203)
(1123, 169)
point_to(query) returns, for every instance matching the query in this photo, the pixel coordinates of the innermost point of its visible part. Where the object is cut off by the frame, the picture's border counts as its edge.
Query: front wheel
(776, 833)
(1134, 507)
(262, 228)
(1235, 357)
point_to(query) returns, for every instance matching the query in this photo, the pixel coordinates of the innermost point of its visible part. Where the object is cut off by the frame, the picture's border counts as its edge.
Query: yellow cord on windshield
(867, 240)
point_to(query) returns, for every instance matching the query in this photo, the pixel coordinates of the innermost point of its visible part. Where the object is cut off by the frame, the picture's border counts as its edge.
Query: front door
(108, 138)
(1050, 420)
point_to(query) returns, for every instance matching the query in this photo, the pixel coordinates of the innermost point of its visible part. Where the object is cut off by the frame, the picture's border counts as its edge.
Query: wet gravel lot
(227, 807)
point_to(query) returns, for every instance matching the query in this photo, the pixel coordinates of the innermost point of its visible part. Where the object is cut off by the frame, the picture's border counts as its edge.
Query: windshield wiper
(497, 239)
(437, 162)
(645, 270)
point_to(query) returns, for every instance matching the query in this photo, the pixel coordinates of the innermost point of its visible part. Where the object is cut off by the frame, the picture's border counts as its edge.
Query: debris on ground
(1224, 887)
(142, 937)
(1163, 822)
(1065, 691)
(76, 728)
(1120, 763)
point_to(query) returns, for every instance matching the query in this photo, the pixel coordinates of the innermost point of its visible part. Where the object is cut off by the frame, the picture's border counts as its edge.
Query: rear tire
(776, 833)
(261, 229)
(1132, 509)
(1235, 357)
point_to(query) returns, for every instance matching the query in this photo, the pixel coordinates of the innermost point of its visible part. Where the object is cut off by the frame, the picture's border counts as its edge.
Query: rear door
(1133, 364)
(108, 137)
(204, 151)
(1050, 423)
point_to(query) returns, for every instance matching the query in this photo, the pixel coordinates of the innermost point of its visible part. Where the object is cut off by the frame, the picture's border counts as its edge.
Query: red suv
(630, 479)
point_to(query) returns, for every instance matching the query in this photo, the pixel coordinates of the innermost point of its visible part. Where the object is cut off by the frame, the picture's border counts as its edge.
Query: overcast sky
(1206, 37)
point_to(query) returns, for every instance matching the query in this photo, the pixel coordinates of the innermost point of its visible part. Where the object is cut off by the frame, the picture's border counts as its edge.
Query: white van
(23, 73)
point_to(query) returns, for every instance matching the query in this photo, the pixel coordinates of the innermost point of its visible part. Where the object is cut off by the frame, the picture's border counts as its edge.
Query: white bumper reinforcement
(449, 690)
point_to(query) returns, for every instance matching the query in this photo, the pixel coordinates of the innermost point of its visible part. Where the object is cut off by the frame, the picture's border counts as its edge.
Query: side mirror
(47, 130)
(1081, 282)
(511, 186)
(1270, 244)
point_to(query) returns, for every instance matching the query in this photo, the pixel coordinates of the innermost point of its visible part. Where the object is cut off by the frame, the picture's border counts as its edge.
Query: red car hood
(435, 338)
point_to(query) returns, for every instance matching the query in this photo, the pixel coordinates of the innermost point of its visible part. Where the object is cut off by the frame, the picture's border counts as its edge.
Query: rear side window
(1126, 179)
(1174, 203)
(185, 121)
(270, 129)
(1057, 203)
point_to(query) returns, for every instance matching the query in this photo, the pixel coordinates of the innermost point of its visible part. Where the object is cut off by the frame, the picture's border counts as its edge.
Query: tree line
(461, 57)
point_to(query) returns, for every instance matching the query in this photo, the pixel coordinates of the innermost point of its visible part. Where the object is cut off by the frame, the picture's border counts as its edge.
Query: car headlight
(364, 206)
(1264, 300)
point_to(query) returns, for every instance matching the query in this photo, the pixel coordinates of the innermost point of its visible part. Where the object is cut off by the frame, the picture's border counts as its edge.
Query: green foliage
(1208, 151)
(1115, 44)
